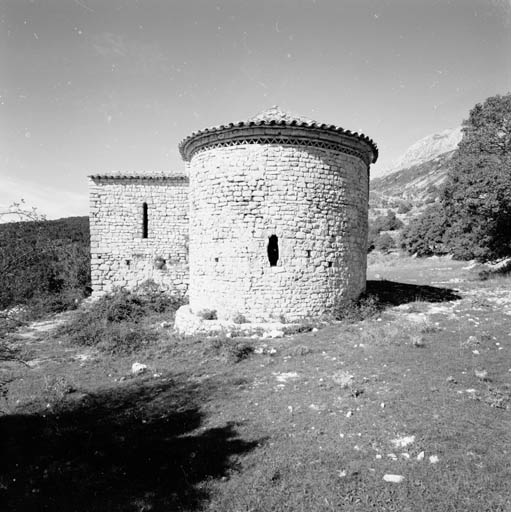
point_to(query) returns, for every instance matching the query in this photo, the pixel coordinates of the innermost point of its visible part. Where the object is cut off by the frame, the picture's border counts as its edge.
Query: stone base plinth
(188, 323)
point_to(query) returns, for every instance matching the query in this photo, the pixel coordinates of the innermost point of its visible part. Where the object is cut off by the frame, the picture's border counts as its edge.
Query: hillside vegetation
(420, 184)
(44, 265)
(457, 203)
(472, 219)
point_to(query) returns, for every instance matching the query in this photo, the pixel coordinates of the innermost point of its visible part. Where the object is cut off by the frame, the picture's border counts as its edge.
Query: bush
(43, 263)
(114, 322)
(357, 310)
(384, 242)
(239, 318)
(122, 337)
(207, 314)
(404, 207)
(229, 349)
(123, 305)
(387, 222)
(156, 300)
(424, 235)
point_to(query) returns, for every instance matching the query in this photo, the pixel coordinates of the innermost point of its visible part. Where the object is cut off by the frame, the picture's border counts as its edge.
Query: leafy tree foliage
(41, 260)
(424, 235)
(404, 207)
(384, 242)
(473, 219)
(388, 222)
(477, 196)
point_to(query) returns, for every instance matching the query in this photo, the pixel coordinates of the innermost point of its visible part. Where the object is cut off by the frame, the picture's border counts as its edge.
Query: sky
(96, 86)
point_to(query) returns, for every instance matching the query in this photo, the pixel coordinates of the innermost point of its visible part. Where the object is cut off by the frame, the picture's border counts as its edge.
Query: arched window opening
(145, 221)
(273, 250)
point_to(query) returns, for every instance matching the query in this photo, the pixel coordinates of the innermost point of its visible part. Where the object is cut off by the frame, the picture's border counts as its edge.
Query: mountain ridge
(424, 150)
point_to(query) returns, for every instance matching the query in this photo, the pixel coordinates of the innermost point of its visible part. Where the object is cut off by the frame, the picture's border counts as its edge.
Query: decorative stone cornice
(274, 126)
(140, 176)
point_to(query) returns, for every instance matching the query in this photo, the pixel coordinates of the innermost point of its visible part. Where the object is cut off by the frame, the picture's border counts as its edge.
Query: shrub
(387, 222)
(404, 207)
(229, 349)
(239, 318)
(424, 235)
(207, 314)
(122, 337)
(357, 310)
(123, 305)
(156, 300)
(384, 242)
(114, 322)
(43, 263)
(501, 270)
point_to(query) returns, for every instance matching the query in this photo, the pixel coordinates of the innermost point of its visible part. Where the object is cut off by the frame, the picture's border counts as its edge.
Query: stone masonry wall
(313, 199)
(120, 256)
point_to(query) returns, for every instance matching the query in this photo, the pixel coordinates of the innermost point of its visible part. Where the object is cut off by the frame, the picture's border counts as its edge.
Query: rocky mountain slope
(417, 176)
(419, 183)
(425, 150)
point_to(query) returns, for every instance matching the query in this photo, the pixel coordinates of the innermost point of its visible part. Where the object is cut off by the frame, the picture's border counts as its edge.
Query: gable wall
(120, 256)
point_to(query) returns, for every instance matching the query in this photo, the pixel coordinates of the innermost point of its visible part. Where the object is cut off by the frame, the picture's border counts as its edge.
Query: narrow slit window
(145, 221)
(273, 250)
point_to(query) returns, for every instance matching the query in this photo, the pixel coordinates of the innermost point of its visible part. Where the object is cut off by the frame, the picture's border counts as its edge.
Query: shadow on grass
(391, 293)
(130, 449)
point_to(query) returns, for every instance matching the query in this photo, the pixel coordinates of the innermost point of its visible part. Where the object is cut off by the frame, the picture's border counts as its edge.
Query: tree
(387, 222)
(9, 353)
(42, 262)
(477, 195)
(424, 235)
(384, 242)
(19, 212)
(404, 207)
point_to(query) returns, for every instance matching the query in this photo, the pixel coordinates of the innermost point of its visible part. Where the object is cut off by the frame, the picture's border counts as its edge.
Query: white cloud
(52, 202)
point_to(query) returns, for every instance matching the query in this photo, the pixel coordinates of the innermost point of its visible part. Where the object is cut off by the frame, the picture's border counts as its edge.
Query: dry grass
(304, 423)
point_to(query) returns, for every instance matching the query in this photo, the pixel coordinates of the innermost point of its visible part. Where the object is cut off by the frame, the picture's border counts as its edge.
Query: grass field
(311, 422)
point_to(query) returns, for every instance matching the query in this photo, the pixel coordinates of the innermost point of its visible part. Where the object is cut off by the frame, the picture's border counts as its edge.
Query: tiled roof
(275, 113)
(140, 176)
(275, 116)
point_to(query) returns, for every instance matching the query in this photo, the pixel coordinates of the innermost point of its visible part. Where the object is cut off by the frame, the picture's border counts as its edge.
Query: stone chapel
(268, 219)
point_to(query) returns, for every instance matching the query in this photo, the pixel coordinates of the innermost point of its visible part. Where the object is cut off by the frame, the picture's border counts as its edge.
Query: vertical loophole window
(273, 250)
(145, 221)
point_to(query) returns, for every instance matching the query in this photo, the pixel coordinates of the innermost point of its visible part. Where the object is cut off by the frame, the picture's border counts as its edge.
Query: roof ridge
(275, 113)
